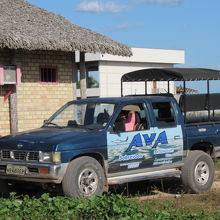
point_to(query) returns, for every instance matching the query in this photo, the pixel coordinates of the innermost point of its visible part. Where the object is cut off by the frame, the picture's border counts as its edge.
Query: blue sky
(191, 25)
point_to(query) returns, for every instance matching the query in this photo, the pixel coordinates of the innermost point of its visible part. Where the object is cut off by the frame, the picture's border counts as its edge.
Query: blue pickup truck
(85, 147)
(90, 144)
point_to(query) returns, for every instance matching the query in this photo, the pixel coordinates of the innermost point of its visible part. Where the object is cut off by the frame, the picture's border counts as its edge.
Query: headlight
(56, 157)
(49, 157)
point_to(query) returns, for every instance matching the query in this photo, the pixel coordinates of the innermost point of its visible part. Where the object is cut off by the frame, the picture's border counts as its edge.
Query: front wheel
(84, 177)
(198, 172)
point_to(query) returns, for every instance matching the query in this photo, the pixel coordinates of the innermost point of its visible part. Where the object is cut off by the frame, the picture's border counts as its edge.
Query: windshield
(83, 115)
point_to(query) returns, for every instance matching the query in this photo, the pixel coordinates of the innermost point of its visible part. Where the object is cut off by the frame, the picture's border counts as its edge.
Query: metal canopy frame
(173, 74)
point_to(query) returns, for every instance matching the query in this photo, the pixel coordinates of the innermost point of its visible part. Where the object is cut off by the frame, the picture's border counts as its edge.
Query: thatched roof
(25, 26)
(180, 89)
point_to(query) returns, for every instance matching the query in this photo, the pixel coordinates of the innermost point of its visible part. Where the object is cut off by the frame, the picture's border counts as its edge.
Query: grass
(207, 203)
(217, 163)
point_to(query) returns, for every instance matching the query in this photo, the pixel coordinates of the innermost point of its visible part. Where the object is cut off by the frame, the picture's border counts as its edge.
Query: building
(43, 45)
(108, 69)
(48, 80)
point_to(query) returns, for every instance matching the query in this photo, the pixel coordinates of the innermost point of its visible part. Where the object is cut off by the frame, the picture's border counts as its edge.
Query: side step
(143, 176)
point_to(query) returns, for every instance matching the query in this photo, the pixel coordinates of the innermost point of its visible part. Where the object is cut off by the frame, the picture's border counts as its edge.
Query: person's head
(122, 116)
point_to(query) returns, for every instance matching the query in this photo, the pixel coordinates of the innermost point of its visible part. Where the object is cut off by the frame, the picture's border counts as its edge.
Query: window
(92, 77)
(102, 113)
(164, 114)
(131, 118)
(48, 74)
(87, 115)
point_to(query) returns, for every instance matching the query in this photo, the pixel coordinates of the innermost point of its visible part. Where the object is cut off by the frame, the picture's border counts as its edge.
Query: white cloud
(165, 2)
(98, 6)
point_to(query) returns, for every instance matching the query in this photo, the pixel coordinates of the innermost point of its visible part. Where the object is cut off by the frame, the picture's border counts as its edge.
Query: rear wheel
(84, 177)
(198, 172)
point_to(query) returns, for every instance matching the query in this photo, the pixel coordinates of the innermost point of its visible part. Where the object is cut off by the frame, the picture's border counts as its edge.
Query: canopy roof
(25, 26)
(171, 74)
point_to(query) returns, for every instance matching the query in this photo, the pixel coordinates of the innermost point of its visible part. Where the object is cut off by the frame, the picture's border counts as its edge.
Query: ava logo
(137, 140)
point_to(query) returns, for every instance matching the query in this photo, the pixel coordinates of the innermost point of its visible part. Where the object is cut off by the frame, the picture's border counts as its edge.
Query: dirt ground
(170, 191)
(172, 188)
(160, 188)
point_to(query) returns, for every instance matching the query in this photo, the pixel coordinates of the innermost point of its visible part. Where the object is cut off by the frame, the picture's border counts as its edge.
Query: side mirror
(72, 123)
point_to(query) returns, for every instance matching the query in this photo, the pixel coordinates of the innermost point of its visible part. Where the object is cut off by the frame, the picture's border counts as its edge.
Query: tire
(84, 177)
(198, 172)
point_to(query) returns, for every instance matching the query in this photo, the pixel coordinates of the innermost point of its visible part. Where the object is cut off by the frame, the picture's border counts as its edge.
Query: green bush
(218, 163)
(45, 207)
(99, 207)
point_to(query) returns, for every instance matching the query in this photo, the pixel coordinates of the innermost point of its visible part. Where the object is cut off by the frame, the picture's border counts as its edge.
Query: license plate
(16, 170)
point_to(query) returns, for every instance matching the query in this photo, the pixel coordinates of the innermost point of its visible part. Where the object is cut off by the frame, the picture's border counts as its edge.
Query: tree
(91, 83)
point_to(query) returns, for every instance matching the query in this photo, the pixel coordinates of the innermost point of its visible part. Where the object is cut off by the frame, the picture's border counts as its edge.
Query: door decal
(147, 148)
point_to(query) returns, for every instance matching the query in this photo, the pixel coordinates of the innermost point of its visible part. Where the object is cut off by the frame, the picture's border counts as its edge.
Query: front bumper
(55, 172)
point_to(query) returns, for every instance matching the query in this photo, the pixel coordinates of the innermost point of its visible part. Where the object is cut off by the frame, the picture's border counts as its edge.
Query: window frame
(48, 67)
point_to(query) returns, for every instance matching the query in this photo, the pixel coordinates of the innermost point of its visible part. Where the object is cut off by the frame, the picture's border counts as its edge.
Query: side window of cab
(164, 114)
(132, 117)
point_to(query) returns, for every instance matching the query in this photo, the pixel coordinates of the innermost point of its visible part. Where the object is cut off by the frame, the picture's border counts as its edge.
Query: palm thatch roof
(180, 89)
(25, 26)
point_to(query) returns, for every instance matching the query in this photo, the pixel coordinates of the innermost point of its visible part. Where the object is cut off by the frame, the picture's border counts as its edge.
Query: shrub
(106, 207)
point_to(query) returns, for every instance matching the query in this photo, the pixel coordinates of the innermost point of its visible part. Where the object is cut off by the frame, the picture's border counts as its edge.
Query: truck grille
(5, 154)
(19, 155)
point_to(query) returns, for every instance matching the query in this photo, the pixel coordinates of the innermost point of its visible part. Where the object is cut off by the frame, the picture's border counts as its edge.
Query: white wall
(111, 73)
(111, 69)
(142, 55)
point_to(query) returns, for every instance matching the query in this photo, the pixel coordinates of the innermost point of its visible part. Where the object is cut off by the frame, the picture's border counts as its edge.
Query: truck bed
(203, 133)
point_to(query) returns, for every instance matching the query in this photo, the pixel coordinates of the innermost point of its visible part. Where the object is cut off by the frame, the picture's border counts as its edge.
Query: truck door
(127, 149)
(168, 147)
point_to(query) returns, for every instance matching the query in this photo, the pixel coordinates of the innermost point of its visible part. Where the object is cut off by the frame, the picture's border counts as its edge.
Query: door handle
(177, 137)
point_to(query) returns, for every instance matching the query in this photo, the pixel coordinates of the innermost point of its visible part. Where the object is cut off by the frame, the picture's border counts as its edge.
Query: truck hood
(50, 139)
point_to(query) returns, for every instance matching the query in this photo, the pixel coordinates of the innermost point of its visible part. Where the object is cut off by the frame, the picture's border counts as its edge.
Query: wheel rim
(202, 173)
(88, 182)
